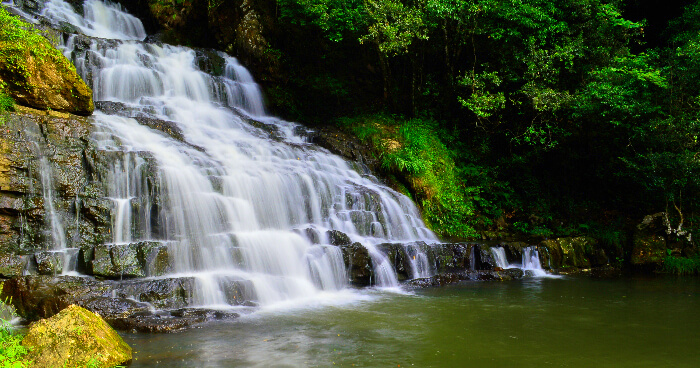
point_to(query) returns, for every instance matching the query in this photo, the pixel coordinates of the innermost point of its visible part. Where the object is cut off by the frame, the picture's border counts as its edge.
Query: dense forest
(526, 118)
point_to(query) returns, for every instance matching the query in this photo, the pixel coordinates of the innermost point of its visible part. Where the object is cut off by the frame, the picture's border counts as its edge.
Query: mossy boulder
(34, 73)
(75, 337)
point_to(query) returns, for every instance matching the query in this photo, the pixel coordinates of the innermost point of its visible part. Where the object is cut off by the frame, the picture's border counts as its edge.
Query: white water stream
(230, 201)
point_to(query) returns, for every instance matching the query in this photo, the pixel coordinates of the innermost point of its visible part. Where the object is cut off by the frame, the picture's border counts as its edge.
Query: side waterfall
(230, 200)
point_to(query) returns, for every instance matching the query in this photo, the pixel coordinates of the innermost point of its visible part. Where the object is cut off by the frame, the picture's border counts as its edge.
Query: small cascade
(418, 260)
(499, 257)
(104, 20)
(66, 257)
(198, 167)
(531, 262)
(58, 234)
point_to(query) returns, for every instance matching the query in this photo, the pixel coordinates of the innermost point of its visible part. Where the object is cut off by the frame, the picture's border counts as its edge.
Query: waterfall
(499, 257)
(66, 257)
(531, 262)
(230, 190)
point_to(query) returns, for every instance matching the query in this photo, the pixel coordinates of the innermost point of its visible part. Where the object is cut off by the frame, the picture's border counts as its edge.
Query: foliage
(682, 265)
(11, 350)
(21, 42)
(6, 102)
(410, 149)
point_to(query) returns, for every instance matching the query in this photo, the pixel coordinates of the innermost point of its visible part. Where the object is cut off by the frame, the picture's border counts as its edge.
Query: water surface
(570, 322)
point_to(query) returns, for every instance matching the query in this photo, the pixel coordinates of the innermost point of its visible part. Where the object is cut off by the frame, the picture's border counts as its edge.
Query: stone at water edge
(73, 338)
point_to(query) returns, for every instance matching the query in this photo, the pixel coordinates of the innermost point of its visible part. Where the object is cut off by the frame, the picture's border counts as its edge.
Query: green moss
(411, 150)
(6, 102)
(35, 73)
(17, 37)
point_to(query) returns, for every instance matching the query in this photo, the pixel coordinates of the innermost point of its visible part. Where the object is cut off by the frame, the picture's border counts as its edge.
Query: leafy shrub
(6, 103)
(682, 265)
(11, 350)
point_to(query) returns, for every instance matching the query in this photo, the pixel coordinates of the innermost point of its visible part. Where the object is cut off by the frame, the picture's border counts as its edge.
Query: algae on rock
(75, 337)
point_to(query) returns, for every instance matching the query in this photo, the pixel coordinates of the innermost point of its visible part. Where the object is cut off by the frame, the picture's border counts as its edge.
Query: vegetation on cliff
(34, 73)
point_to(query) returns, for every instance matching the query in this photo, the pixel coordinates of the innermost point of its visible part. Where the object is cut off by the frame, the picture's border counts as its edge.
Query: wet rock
(154, 258)
(36, 297)
(396, 254)
(203, 314)
(358, 263)
(437, 280)
(210, 61)
(485, 258)
(167, 293)
(452, 257)
(75, 337)
(346, 145)
(497, 275)
(168, 127)
(155, 323)
(117, 261)
(115, 108)
(577, 252)
(49, 263)
(12, 265)
(338, 238)
(111, 308)
(33, 144)
(236, 291)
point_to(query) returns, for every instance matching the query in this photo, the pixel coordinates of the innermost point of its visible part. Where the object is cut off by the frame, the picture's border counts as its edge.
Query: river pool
(565, 322)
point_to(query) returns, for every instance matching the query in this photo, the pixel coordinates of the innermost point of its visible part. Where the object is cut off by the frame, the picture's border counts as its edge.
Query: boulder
(75, 337)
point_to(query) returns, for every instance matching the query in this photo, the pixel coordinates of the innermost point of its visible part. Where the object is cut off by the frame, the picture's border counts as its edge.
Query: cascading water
(499, 257)
(230, 201)
(531, 262)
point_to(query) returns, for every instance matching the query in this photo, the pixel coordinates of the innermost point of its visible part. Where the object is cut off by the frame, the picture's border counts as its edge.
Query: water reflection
(570, 322)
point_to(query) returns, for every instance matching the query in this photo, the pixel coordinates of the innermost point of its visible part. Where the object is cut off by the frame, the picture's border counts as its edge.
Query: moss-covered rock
(75, 337)
(35, 73)
(573, 252)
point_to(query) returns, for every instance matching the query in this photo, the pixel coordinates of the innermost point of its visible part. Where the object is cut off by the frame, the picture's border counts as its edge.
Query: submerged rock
(75, 337)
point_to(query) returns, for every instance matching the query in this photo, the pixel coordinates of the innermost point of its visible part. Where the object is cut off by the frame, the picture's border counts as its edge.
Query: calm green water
(570, 322)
